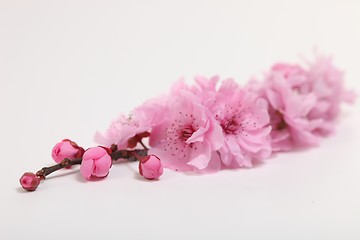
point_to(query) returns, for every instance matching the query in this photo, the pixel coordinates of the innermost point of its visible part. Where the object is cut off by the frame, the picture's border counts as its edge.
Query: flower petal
(102, 166)
(86, 168)
(94, 153)
(200, 157)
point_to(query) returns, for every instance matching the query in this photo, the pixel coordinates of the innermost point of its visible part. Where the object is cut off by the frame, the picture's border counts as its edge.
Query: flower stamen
(186, 133)
(230, 126)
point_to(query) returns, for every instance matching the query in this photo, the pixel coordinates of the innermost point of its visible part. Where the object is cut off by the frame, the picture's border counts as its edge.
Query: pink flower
(66, 149)
(150, 167)
(96, 162)
(237, 133)
(244, 119)
(188, 136)
(29, 181)
(202, 128)
(326, 82)
(289, 111)
(305, 103)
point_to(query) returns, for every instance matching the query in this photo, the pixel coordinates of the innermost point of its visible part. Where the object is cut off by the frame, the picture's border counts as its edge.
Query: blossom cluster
(213, 125)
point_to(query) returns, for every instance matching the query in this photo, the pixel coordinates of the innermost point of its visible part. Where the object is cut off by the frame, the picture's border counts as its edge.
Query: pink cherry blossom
(289, 112)
(235, 110)
(244, 119)
(326, 82)
(319, 90)
(203, 128)
(150, 167)
(29, 181)
(96, 162)
(66, 149)
(188, 136)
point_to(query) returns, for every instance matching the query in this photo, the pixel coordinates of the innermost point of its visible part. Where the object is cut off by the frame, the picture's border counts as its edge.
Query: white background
(67, 68)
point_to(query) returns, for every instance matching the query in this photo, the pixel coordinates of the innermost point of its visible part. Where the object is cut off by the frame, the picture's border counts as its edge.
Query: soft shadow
(254, 166)
(132, 169)
(299, 149)
(80, 178)
(192, 173)
(138, 177)
(258, 163)
(21, 190)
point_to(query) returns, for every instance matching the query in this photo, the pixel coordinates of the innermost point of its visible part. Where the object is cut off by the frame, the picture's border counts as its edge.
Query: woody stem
(143, 145)
(136, 155)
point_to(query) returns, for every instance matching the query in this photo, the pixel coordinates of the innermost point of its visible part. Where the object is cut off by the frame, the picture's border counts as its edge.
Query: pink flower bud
(150, 167)
(29, 181)
(96, 162)
(66, 149)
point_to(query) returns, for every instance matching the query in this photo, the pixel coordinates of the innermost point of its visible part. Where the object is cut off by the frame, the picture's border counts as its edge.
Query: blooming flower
(203, 128)
(66, 149)
(150, 167)
(326, 82)
(304, 102)
(187, 137)
(289, 111)
(240, 119)
(244, 119)
(29, 181)
(96, 162)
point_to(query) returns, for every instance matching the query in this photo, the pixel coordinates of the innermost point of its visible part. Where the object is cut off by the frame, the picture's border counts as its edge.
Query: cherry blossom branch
(95, 161)
(115, 155)
(261, 113)
(125, 154)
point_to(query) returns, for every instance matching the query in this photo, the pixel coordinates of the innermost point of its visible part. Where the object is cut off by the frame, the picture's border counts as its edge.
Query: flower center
(186, 133)
(230, 126)
(280, 124)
